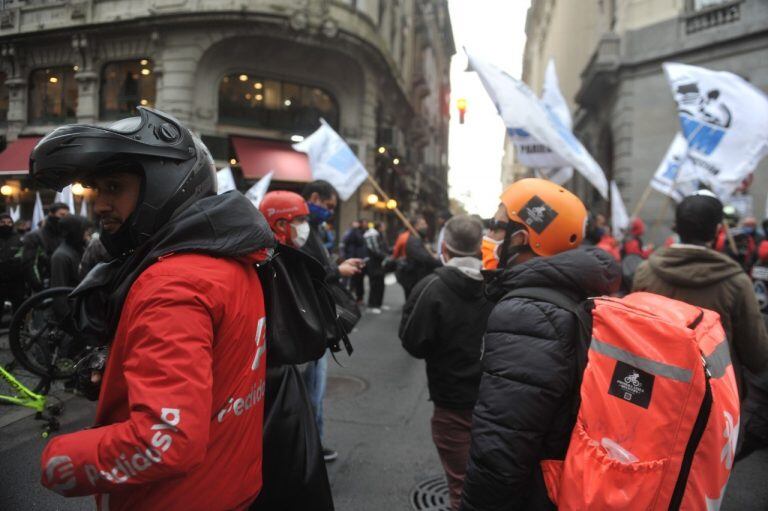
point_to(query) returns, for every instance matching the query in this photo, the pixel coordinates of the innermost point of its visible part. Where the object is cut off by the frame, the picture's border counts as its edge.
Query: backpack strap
(568, 301)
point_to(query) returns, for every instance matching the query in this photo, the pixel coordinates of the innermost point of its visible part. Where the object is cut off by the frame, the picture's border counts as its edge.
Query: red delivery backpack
(658, 418)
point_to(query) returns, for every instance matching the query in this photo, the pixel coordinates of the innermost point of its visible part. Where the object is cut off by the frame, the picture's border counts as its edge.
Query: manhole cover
(345, 386)
(431, 495)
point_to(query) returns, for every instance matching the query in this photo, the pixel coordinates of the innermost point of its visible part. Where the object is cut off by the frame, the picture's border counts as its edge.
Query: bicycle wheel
(38, 342)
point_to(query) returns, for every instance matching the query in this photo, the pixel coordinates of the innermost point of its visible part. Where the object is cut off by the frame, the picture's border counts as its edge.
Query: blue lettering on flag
(518, 132)
(671, 173)
(700, 136)
(343, 160)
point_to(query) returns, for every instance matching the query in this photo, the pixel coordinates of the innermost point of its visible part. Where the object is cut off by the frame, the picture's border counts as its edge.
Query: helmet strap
(508, 253)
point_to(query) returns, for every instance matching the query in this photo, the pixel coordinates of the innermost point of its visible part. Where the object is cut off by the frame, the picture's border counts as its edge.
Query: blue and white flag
(723, 120)
(676, 177)
(225, 180)
(521, 110)
(331, 159)
(257, 192)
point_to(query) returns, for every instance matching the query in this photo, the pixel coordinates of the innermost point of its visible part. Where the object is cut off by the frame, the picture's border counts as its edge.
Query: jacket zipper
(693, 442)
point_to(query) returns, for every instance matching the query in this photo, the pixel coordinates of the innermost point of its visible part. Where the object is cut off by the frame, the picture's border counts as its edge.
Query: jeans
(315, 378)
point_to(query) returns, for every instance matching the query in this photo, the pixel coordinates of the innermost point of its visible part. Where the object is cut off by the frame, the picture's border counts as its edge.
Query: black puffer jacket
(443, 322)
(524, 412)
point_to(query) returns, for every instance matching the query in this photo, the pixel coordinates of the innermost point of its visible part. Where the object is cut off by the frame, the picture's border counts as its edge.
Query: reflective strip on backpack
(719, 360)
(646, 364)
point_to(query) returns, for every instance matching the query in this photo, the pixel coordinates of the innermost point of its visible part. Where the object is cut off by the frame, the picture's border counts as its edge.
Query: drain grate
(431, 495)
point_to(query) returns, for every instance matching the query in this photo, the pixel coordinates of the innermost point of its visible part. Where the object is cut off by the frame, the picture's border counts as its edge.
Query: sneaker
(329, 454)
(374, 310)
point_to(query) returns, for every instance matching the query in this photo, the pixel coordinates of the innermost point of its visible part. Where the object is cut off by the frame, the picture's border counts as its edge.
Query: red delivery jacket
(179, 420)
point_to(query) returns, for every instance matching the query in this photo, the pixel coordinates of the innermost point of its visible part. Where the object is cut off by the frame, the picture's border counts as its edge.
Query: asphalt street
(377, 417)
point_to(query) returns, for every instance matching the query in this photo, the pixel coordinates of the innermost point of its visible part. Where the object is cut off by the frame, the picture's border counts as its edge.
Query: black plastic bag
(293, 468)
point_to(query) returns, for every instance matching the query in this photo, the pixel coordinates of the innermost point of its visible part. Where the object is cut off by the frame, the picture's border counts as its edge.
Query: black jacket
(418, 263)
(39, 246)
(10, 257)
(443, 322)
(315, 247)
(525, 407)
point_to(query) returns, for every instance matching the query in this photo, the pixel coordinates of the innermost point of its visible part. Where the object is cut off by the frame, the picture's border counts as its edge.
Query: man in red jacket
(179, 420)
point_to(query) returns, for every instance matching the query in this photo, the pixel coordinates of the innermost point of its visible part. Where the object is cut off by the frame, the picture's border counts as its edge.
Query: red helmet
(282, 205)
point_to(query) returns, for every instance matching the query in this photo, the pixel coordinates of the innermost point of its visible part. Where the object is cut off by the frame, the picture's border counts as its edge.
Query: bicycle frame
(25, 397)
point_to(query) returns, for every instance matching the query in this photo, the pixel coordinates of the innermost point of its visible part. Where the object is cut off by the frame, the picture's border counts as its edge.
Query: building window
(3, 98)
(698, 5)
(52, 95)
(258, 102)
(126, 85)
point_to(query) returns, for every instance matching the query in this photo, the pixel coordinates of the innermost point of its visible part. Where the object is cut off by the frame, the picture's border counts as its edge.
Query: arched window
(3, 98)
(52, 95)
(126, 85)
(257, 102)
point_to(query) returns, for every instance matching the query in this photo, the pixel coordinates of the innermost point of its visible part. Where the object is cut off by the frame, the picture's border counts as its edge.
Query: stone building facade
(613, 80)
(249, 76)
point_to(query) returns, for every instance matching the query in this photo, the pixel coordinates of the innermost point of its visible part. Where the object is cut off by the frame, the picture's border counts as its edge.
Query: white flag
(519, 107)
(15, 213)
(331, 159)
(676, 176)
(257, 192)
(559, 176)
(723, 119)
(226, 181)
(619, 216)
(65, 196)
(37, 212)
(84, 208)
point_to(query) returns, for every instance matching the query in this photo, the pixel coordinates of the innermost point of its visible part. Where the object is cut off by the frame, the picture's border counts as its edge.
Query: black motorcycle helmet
(176, 167)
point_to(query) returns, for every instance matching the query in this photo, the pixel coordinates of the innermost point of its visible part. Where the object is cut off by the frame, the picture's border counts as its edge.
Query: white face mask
(302, 234)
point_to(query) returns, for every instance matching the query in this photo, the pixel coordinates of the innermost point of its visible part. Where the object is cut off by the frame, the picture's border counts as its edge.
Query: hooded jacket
(709, 279)
(39, 246)
(65, 260)
(525, 410)
(10, 257)
(443, 322)
(181, 400)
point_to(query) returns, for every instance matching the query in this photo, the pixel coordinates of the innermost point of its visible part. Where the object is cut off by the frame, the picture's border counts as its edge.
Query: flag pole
(397, 211)
(642, 201)
(730, 238)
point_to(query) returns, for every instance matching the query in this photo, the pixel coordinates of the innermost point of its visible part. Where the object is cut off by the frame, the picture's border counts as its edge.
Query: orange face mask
(490, 256)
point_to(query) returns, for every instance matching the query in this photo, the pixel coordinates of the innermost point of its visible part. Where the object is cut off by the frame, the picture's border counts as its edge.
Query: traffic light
(461, 104)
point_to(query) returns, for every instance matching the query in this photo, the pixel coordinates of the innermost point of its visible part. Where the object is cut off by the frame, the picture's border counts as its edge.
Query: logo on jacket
(631, 384)
(537, 214)
(61, 470)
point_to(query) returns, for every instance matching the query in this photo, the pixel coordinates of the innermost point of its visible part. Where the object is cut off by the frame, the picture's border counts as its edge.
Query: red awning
(257, 157)
(15, 158)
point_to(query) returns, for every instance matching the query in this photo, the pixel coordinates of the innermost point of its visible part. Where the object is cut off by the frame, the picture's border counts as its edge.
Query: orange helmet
(554, 217)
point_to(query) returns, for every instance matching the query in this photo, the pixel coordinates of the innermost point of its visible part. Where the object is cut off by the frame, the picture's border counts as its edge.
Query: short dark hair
(698, 217)
(53, 208)
(323, 188)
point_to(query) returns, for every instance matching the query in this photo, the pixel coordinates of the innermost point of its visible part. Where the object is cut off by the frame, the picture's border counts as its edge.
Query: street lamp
(372, 199)
(391, 204)
(396, 161)
(8, 190)
(78, 189)
(382, 149)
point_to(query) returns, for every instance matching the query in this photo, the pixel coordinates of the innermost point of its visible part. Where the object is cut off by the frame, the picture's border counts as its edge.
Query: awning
(15, 158)
(257, 157)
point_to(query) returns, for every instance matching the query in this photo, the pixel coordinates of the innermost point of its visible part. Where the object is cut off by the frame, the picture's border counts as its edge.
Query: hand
(351, 267)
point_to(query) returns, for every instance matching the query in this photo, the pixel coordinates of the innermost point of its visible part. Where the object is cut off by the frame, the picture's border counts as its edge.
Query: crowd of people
(185, 301)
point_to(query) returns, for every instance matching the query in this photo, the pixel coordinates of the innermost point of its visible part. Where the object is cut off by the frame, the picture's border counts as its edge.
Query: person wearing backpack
(529, 386)
(443, 322)
(692, 272)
